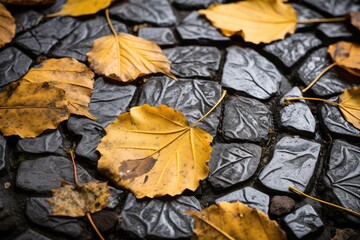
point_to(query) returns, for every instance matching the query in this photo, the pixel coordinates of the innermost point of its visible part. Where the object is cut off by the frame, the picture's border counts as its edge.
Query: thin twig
(310, 98)
(71, 152)
(318, 77)
(322, 201)
(88, 215)
(322, 20)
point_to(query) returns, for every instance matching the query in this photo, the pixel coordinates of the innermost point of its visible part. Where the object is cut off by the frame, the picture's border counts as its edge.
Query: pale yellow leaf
(7, 26)
(82, 7)
(346, 55)
(350, 105)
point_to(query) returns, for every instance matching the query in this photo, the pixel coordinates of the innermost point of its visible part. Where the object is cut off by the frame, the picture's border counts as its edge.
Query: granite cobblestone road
(260, 147)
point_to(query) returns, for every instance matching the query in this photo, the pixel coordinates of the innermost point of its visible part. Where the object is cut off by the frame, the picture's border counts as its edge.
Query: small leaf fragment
(127, 57)
(355, 19)
(28, 109)
(255, 20)
(346, 55)
(74, 201)
(235, 221)
(152, 151)
(7, 26)
(75, 78)
(81, 7)
(350, 105)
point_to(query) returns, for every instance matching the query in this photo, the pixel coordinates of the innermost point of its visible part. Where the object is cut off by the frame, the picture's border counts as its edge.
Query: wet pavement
(260, 147)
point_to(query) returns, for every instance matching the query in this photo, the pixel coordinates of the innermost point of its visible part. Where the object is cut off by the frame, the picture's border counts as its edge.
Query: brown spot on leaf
(135, 168)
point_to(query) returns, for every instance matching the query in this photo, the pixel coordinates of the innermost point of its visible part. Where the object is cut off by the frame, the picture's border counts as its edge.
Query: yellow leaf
(7, 26)
(75, 78)
(74, 201)
(153, 152)
(346, 55)
(355, 19)
(125, 57)
(235, 221)
(350, 105)
(82, 7)
(28, 109)
(255, 20)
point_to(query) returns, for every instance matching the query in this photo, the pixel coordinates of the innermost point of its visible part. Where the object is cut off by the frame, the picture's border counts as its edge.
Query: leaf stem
(311, 99)
(210, 111)
(71, 152)
(322, 201)
(322, 20)
(115, 35)
(318, 77)
(88, 215)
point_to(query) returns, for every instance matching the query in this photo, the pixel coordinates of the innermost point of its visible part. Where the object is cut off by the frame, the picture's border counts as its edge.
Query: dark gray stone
(336, 80)
(197, 27)
(194, 61)
(105, 220)
(193, 98)
(233, 163)
(195, 4)
(45, 143)
(115, 198)
(297, 116)
(304, 13)
(42, 38)
(53, 8)
(247, 71)
(157, 12)
(303, 221)
(31, 235)
(343, 175)
(335, 30)
(293, 164)
(159, 219)
(161, 36)
(107, 102)
(2, 152)
(26, 20)
(281, 204)
(336, 7)
(334, 121)
(38, 210)
(246, 119)
(43, 174)
(292, 48)
(7, 221)
(13, 65)
(80, 41)
(248, 195)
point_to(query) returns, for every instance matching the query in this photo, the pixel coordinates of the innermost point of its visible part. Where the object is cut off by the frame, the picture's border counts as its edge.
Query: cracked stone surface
(247, 71)
(334, 121)
(336, 7)
(197, 27)
(246, 119)
(194, 98)
(292, 48)
(159, 219)
(43, 174)
(336, 80)
(26, 20)
(80, 41)
(194, 61)
(303, 221)
(335, 30)
(305, 13)
(157, 12)
(2, 152)
(293, 164)
(233, 163)
(248, 195)
(297, 116)
(162, 36)
(31, 234)
(343, 174)
(41, 39)
(13, 65)
(195, 4)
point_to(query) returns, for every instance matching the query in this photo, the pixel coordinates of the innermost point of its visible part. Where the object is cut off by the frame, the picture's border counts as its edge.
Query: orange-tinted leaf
(74, 201)
(126, 57)
(154, 152)
(355, 19)
(346, 55)
(28, 2)
(75, 78)
(7, 26)
(235, 221)
(82, 7)
(350, 105)
(28, 109)
(255, 20)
